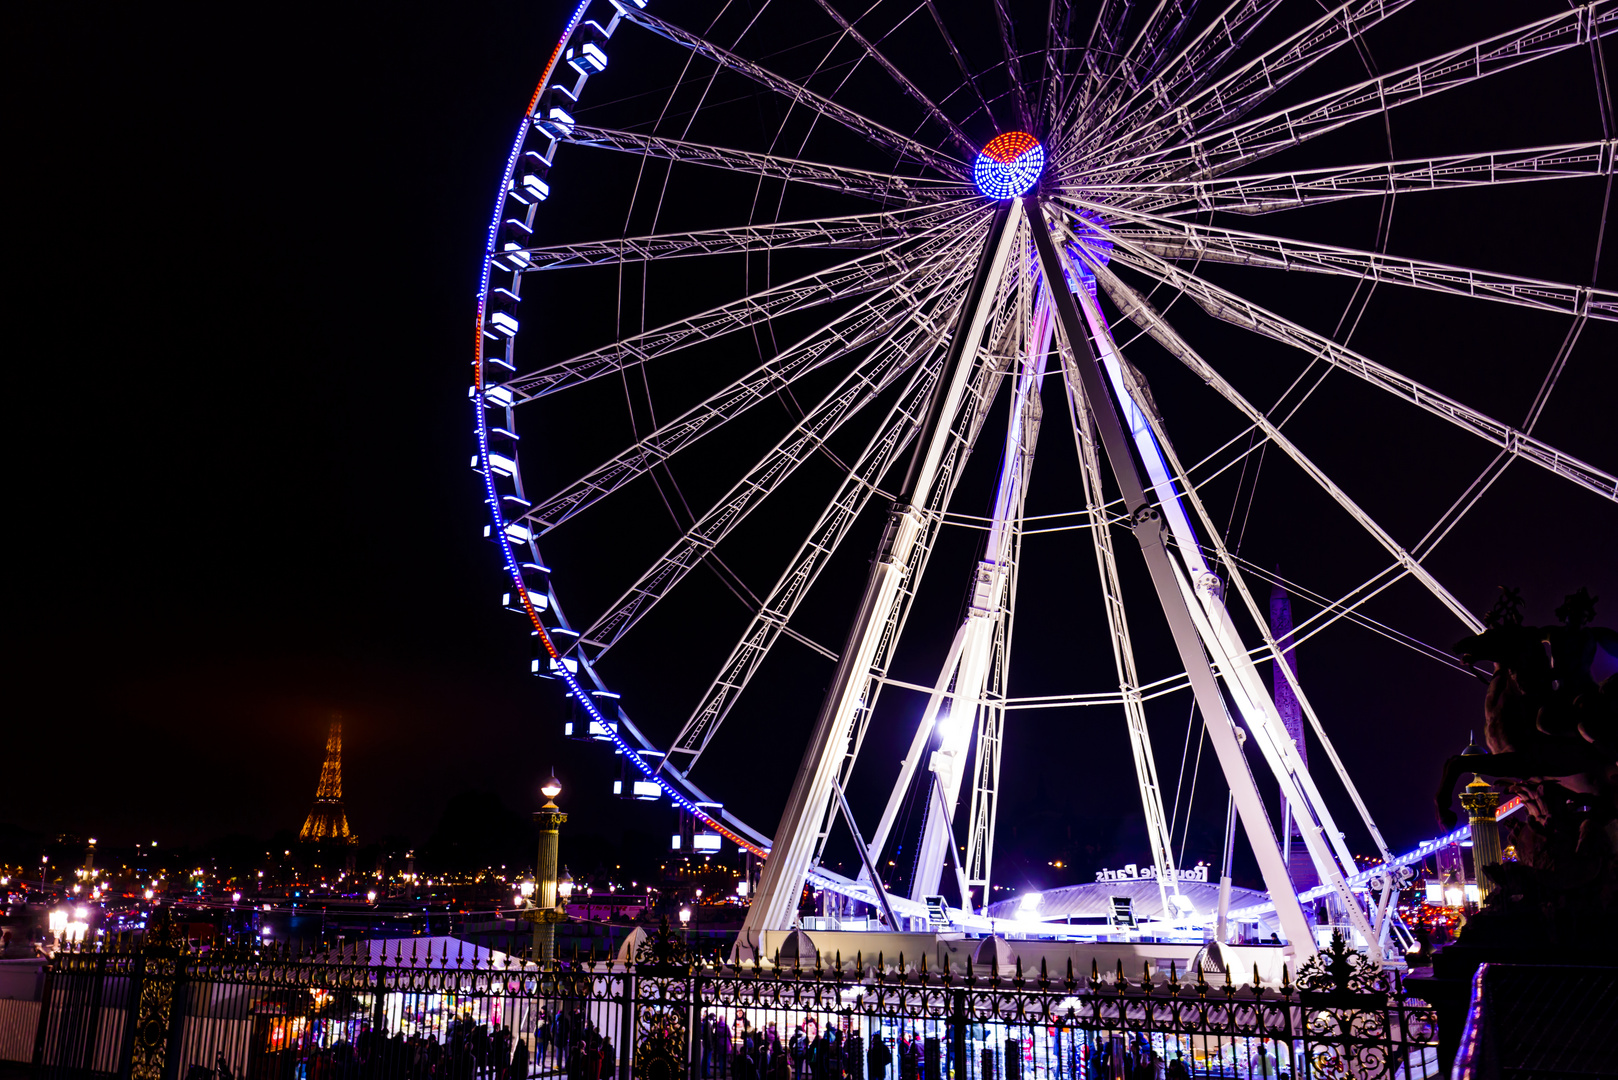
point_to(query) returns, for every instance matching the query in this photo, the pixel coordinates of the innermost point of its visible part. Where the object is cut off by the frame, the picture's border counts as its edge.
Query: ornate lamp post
(1480, 801)
(547, 912)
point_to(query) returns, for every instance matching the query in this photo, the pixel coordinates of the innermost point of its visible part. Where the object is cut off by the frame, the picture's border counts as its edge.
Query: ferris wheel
(777, 273)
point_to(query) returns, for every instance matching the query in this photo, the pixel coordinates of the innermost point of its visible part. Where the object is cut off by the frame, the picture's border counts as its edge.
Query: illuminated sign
(1133, 872)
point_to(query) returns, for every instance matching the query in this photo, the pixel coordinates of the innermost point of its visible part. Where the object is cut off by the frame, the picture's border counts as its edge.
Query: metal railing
(153, 1009)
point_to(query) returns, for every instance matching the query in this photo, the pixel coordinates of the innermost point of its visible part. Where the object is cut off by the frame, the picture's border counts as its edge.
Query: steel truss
(935, 299)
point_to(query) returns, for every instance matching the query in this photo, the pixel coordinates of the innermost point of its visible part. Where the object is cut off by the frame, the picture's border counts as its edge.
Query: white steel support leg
(981, 660)
(1327, 848)
(1123, 652)
(775, 903)
(984, 630)
(1137, 310)
(985, 810)
(1147, 525)
(918, 745)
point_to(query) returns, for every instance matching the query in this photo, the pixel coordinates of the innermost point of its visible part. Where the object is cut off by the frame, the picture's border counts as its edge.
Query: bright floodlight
(551, 788)
(1009, 166)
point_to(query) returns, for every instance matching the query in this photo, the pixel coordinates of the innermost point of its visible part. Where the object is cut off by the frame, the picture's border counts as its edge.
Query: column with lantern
(547, 911)
(1480, 802)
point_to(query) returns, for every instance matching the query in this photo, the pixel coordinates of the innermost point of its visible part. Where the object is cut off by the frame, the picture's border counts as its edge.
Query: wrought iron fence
(155, 1010)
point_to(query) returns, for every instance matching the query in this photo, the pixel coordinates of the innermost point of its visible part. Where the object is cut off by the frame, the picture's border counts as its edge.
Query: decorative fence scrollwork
(445, 1008)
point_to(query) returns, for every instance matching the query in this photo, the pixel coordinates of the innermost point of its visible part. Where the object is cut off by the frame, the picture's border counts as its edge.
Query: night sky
(247, 254)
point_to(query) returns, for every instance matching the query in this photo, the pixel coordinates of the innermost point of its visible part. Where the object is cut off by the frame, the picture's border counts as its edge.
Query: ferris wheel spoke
(1052, 77)
(962, 141)
(858, 486)
(868, 129)
(881, 187)
(1101, 52)
(1179, 241)
(1139, 311)
(967, 78)
(859, 231)
(1173, 106)
(1228, 307)
(1272, 192)
(1213, 151)
(1144, 56)
(871, 320)
(857, 277)
(1008, 46)
(924, 327)
(1202, 59)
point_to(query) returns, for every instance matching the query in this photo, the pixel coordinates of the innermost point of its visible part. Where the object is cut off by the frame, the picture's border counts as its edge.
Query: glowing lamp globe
(1009, 166)
(551, 788)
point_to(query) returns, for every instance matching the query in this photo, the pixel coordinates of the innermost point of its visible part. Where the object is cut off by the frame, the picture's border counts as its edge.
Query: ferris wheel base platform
(862, 950)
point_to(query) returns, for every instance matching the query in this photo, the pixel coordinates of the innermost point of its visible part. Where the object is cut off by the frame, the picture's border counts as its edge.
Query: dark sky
(247, 249)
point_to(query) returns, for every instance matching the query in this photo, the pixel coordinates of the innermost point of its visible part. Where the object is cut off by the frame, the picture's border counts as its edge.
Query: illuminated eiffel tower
(327, 823)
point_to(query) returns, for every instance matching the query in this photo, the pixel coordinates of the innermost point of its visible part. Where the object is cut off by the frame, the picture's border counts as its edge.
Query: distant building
(326, 822)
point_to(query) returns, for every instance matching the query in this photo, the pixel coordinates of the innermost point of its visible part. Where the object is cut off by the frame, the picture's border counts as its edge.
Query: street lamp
(564, 886)
(549, 911)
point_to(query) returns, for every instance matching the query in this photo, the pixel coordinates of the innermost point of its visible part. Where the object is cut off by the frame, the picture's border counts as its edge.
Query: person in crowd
(909, 1058)
(798, 1049)
(818, 1051)
(1176, 1069)
(877, 1059)
(519, 1061)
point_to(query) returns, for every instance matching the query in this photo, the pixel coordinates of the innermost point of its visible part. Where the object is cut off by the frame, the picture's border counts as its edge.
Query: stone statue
(1552, 735)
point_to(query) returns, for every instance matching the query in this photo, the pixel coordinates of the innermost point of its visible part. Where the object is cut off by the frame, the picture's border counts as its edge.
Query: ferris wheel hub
(1009, 165)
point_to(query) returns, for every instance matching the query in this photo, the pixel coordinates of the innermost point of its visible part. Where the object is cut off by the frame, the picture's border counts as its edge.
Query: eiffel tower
(327, 823)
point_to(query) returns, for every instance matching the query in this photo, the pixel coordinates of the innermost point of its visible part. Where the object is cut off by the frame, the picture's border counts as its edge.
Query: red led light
(1009, 146)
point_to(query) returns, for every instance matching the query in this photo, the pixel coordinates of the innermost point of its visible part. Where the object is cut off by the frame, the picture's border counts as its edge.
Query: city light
(685, 916)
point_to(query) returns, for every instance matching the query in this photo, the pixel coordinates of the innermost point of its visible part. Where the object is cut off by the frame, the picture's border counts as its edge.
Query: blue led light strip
(480, 424)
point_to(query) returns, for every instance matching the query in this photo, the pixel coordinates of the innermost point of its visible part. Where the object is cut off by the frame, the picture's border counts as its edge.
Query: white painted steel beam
(862, 275)
(880, 228)
(1226, 306)
(774, 903)
(981, 631)
(877, 134)
(1123, 649)
(1267, 193)
(1182, 614)
(879, 186)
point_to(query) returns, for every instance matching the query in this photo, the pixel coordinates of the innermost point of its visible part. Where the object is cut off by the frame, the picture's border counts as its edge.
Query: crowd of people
(566, 1044)
(737, 1049)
